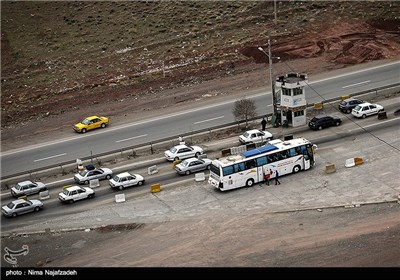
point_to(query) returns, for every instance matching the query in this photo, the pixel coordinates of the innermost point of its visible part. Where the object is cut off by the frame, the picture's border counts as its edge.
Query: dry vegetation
(65, 60)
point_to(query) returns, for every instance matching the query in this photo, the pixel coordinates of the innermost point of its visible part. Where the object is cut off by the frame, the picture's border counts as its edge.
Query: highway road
(337, 136)
(180, 123)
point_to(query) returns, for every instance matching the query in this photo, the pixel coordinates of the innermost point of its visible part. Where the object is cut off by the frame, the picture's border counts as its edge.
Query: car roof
(180, 146)
(24, 183)
(19, 201)
(92, 117)
(73, 188)
(321, 116)
(124, 174)
(351, 98)
(253, 130)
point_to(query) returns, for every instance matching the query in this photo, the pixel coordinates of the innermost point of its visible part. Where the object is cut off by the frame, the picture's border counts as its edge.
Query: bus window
(292, 152)
(262, 161)
(239, 167)
(227, 170)
(250, 164)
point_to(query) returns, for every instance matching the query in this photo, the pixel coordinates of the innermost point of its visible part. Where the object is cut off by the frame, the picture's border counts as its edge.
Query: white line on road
(60, 155)
(353, 85)
(127, 139)
(209, 120)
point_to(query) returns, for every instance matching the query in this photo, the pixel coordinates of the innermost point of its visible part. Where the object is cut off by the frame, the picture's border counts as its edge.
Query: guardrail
(158, 141)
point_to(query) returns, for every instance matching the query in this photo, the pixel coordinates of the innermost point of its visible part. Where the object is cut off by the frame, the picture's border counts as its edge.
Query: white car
(255, 135)
(126, 179)
(180, 152)
(366, 109)
(74, 193)
(85, 176)
(21, 206)
(27, 188)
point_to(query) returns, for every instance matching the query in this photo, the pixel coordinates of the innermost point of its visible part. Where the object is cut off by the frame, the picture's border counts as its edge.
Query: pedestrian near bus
(267, 176)
(277, 182)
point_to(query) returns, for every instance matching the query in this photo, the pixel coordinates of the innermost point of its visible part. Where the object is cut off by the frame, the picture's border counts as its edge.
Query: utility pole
(275, 18)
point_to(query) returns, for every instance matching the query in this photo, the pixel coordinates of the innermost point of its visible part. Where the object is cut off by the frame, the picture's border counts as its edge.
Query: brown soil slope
(62, 61)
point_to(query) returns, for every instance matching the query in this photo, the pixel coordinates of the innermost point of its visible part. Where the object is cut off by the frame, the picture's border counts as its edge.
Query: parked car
(192, 165)
(126, 179)
(21, 206)
(74, 193)
(347, 105)
(91, 123)
(255, 135)
(85, 176)
(366, 109)
(322, 121)
(181, 152)
(27, 188)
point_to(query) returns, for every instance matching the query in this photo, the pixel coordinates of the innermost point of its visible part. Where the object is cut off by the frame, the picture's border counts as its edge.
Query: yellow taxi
(90, 123)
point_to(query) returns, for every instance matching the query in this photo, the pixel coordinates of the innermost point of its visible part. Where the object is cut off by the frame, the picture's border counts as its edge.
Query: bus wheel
(296, 169)
(249, 183)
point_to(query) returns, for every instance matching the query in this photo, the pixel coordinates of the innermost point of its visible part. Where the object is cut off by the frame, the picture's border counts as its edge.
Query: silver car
(192, 165)
(85, 176)
(27, 188)
(21, 206)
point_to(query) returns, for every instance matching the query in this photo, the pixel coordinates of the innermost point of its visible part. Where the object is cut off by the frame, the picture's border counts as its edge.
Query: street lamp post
(269, 54)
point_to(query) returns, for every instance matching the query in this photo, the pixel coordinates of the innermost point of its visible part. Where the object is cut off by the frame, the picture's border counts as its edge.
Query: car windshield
(185, 163)
(85, 121)
(83, 173)
(116, 178)
(246, 135)
(18, 187)
(173, 150)
(10, 205)
(357, 108)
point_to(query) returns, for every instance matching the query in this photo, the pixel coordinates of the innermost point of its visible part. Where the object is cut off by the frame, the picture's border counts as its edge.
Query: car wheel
(364, 116)
(176, 158)
(37, 208)
(319, 127)
(140, 183)
(187, 172)
(197, 154)
(249, 183)
(337, 123)
(108, 177)
(121, 187)
(208, 167)
(348, 111)
(71, 201)
(103, 125)
(91, 195)
(296, 169)
(14, 214)
(86, 182)
(84, 130)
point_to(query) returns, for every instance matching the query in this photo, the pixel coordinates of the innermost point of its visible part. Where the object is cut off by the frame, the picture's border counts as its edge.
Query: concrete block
(94, 183)
(358, 161)
(44, 195)
(330, 168)
(120, 198)
(152, 170)
(350, 162)
(318, 106)
(200, 177)
(155, 188)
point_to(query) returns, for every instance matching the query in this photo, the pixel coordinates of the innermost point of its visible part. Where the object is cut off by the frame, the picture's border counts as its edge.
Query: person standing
(277, 182)
(267, 176)
(263, 124)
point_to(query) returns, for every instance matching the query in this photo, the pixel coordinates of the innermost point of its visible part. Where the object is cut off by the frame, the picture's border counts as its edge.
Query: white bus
(248, 168)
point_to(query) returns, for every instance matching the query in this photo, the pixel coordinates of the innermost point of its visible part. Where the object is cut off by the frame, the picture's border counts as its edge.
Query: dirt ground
(207, 58)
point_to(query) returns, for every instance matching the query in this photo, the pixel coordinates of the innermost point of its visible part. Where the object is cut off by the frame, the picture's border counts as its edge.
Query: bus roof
(266, 149)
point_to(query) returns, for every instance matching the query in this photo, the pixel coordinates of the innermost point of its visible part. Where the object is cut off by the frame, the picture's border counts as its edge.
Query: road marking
(209, 120)
(60, 155)
(127, 139)
(353, 85)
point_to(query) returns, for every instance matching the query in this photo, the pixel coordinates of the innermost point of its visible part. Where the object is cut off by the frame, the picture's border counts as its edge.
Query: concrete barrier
(330, 168)
(398, 199)
(358, 161)
(318, 106)
(152, 170)
(155, 188)
(226, 152)
(175, 162)
(120, 198)
(200, 177)
(343, 97)
(95, 183)
(24, 197)
(44, 195)
(350, 162)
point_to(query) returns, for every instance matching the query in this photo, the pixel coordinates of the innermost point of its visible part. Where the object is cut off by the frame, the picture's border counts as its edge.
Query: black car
(322, 121)
(349, 104)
